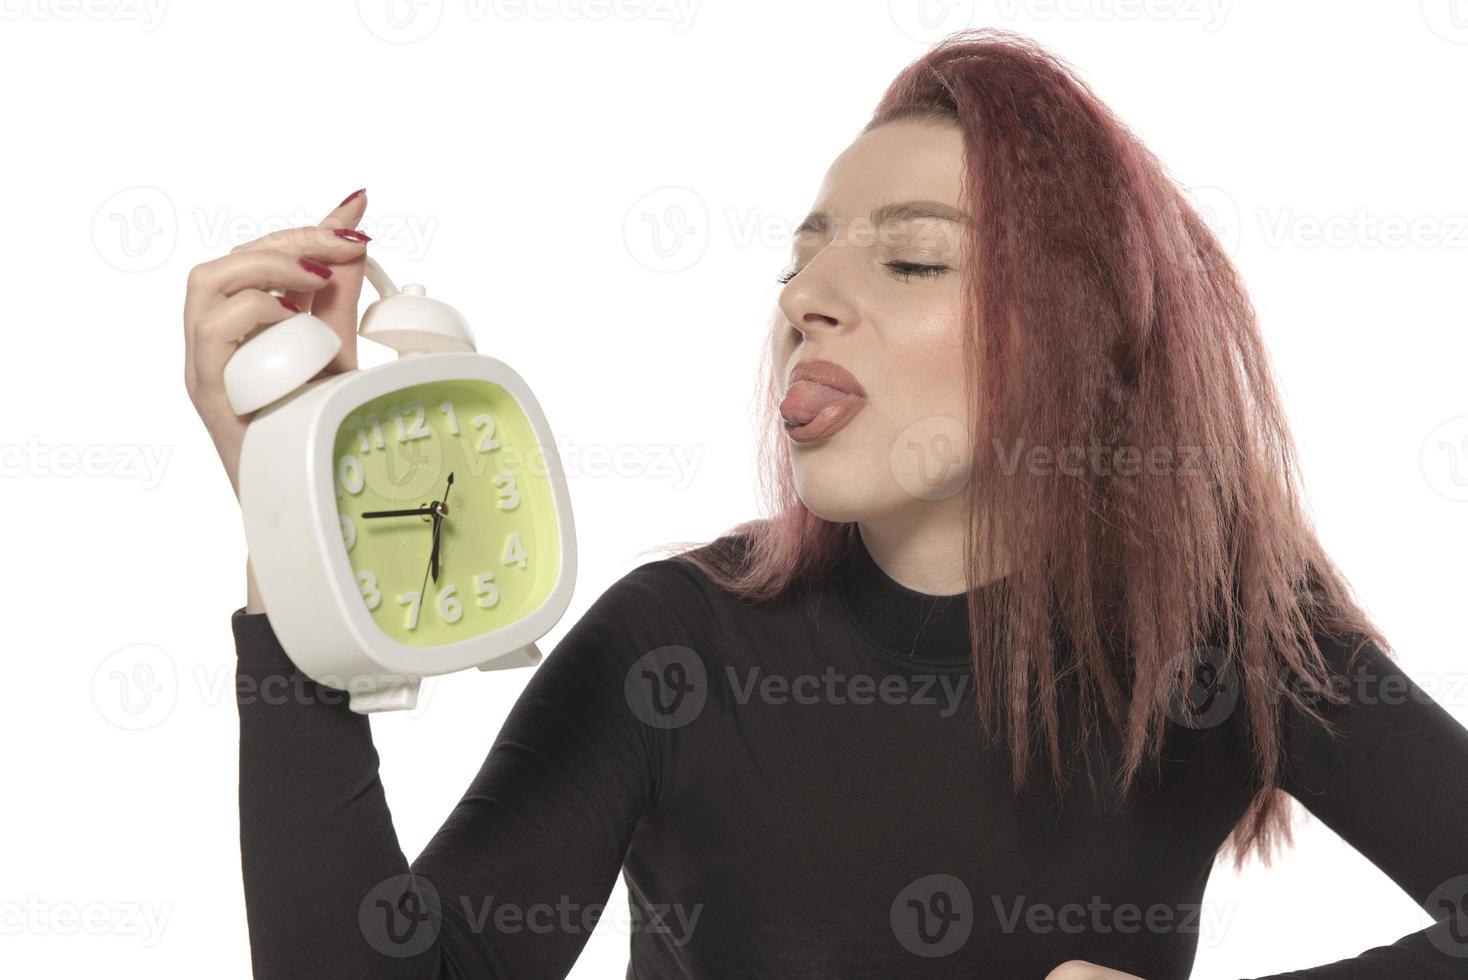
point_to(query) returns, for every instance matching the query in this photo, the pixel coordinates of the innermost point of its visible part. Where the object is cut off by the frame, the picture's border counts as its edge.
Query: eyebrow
(820, 221)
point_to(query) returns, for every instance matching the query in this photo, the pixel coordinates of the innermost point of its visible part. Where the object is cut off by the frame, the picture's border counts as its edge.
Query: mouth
(821, 398)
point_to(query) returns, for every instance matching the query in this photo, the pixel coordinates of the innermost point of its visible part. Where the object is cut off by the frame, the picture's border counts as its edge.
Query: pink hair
(1101, 310)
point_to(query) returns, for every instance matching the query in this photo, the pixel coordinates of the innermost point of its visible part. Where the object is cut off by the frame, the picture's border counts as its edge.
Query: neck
(924, 551)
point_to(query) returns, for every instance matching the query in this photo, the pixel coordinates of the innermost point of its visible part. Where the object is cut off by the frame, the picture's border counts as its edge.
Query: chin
(840, 493)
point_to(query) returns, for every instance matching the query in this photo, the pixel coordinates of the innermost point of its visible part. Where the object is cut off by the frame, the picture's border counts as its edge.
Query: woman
(1037, 629)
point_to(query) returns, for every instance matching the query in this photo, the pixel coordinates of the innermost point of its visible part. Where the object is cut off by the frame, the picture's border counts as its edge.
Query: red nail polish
(356, 193)
(315, 268)
(288, 304)
(351, 235)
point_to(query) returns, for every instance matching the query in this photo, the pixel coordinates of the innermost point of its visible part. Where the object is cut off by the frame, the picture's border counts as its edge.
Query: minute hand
(417, 511)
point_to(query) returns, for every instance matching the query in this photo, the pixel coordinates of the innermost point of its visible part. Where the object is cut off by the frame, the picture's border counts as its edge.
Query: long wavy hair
(1100, 311)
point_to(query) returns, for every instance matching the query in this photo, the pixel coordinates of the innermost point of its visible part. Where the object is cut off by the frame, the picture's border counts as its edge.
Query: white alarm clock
(405, 520)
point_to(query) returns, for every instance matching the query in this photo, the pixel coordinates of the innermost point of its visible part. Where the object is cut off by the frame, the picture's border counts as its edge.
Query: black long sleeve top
(800, 789)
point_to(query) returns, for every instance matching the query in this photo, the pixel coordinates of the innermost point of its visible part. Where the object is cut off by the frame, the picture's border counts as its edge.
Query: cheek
(926, 367)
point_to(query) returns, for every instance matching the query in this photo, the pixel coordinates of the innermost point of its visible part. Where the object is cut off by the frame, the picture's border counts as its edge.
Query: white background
(509, 151)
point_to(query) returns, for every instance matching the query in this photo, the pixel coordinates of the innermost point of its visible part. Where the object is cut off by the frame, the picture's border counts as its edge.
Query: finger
(336, 303)
(222, 329)
(212, 281)
(305, 240)
(347, 214)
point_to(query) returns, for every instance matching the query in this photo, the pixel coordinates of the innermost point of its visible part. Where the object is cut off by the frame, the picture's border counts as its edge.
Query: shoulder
(672, 594)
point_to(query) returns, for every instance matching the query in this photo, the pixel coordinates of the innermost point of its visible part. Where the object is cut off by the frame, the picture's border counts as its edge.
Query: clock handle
(277, 361)
(526, 656)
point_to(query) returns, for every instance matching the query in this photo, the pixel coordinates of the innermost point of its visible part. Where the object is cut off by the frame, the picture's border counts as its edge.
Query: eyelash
(903, 270)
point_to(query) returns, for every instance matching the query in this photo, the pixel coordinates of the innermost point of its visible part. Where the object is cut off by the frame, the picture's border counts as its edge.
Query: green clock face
(446, 511)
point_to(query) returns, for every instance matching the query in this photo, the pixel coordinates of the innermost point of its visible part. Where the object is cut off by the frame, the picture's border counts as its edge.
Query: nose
(817, 299)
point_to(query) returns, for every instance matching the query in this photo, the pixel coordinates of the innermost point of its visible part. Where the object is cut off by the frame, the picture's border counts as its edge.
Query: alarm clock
(405, 520)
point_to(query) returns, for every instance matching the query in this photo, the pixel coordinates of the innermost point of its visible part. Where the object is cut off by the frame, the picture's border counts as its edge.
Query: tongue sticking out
(805, 399)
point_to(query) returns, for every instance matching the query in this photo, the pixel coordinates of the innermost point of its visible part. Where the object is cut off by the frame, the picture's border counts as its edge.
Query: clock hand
(433, 555)
(417, 511)
(439, 509)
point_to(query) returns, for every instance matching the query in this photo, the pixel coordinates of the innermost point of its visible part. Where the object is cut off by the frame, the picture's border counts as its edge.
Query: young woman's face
(884, 302)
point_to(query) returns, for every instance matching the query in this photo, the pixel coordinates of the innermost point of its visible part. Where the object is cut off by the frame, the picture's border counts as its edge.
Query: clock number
(410, 599)
(415, 429)
(486, 422)
(356, 424)
(447, 407)
(371, 420)
(489, 593)
(349, 474)
(514, 553)
(368, 584)
(349, 531)
(509, 496)
(450, 609)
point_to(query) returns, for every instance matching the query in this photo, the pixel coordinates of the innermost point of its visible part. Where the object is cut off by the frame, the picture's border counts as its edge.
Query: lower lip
(828, 420)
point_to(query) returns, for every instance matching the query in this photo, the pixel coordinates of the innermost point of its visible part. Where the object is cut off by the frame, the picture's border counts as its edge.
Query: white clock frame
(315, 603)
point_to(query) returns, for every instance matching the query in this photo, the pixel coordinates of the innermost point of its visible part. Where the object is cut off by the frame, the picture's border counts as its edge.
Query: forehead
(906, 160)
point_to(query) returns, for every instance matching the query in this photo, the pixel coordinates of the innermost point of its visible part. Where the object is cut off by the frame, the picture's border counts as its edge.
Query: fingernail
(351, 235)
(288, 304)
(356, 193)
(315, 268)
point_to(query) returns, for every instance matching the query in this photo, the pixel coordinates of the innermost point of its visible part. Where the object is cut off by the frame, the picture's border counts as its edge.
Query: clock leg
(526, 656)
(401, 696)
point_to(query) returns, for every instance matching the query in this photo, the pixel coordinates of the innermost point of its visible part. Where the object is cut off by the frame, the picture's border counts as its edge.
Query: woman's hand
(1081, 970)
(319, 267)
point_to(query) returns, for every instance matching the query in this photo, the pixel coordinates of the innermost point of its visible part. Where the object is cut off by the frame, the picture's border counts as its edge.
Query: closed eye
(902, 270)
